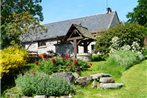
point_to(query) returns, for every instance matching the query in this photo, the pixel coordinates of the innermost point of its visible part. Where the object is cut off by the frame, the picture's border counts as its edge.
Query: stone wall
(52, 45)
(42, 49)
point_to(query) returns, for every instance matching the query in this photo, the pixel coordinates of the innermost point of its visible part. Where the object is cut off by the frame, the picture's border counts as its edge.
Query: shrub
(145, 52)
(12, 58)
(97, 57)
(57, 86)
(125, 58)
(13, 91)
(41, 84)
(127, 33)
(45, 66)
(60, 64)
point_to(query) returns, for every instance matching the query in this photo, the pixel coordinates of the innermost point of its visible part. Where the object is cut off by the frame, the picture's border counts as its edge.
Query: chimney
(109, 10)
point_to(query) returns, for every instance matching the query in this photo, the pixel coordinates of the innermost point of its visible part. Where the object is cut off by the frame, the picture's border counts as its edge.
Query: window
(92, 47)
(41, 43)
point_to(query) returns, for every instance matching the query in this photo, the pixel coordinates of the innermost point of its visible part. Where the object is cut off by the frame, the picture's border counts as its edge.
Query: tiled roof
(84, 31)
(95, 23)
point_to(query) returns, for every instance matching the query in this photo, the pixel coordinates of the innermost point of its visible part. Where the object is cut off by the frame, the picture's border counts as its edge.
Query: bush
(97, 57)
(45, 66)
(13, 91)
(127, 33)
(125, 58)
(145, 52)
(41, 84)
(12, 58)
(57, 87)
(60, 64)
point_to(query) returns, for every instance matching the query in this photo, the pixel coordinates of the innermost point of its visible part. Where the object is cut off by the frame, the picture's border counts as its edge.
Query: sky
(59, 10)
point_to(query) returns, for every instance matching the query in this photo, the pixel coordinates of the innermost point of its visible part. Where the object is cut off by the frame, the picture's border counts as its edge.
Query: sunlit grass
(135, 80)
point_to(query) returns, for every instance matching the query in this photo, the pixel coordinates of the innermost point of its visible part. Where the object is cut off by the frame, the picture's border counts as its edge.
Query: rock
(98, 75)
(106, 80)
(52, 97)
(26, 97)
(76, 75)
(64, 97)
(111, 85)
(94, 84)
(83, 80)
(39, 96)
(68, 76)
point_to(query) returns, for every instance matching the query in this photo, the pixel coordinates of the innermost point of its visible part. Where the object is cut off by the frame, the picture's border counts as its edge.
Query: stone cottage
(75, 36)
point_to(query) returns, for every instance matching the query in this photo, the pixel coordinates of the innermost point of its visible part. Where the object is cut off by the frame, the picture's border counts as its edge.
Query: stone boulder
(76, 75)
(94, 84)
(25, 97)
(83, 80)
(68, 76)
(106, 80)
(111, 85)
(98, 75)
(40, 96)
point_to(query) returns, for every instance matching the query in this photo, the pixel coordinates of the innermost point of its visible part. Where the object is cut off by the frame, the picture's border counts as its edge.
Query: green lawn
(135, 80)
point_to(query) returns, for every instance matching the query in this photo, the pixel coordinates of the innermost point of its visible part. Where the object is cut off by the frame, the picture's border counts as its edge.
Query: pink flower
(36, 62)
(78, 69)
(66, 56)
(53, 60)
(63, 58)
(71, 60)
(75, 62)
(46, 58)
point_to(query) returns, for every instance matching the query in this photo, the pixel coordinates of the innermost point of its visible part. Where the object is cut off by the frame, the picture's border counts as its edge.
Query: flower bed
(62, 64)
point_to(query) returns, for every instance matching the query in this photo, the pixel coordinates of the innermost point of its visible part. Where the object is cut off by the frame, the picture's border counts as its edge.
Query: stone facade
(52, 46)
(42, 49)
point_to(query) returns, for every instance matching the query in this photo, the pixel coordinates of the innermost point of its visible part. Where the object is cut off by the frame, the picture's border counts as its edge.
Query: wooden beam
(78, 42)
(72, 42)
(74, 38)
(75, 48)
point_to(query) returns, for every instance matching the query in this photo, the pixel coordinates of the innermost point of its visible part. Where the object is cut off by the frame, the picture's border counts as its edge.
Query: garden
(117, 69)
(118, 66)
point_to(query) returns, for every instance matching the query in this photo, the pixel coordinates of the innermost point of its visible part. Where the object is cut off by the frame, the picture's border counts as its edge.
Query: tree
(139, 13)
(9, 7)
(19, 17)
(19, 24)
(127, 33)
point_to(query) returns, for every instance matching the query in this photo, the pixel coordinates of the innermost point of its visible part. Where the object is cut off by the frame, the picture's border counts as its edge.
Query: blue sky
(58, 10)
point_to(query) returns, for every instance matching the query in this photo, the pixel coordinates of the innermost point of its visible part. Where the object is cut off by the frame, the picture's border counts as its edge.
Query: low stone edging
(104, 80)
(111, 85)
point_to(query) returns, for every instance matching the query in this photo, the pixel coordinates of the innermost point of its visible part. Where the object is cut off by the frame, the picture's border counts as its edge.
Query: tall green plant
(124, 58)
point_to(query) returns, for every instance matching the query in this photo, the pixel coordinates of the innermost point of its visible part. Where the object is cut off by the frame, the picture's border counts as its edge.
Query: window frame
(41, 43)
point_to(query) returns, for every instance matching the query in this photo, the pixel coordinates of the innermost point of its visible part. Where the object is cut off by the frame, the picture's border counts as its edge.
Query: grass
(135, 80)
(103, 67)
